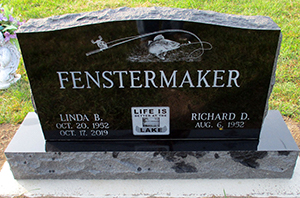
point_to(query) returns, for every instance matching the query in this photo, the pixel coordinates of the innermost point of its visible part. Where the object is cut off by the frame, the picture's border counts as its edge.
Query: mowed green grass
(15, 102)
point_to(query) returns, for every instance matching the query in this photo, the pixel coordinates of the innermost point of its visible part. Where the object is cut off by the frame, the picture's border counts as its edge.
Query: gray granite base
(275, 158)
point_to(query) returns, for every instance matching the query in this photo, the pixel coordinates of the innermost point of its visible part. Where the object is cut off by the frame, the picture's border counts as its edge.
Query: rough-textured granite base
(275, 158)
(153, 165)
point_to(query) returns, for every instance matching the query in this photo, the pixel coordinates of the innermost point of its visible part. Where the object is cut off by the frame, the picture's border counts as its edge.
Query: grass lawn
(15, 102)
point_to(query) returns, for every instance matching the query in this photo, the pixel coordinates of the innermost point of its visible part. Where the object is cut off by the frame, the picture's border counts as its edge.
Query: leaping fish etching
(160, 46)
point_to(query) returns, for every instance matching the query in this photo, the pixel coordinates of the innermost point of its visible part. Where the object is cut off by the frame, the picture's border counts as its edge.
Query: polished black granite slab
(168, 145)
(143, 80)
(275, 157)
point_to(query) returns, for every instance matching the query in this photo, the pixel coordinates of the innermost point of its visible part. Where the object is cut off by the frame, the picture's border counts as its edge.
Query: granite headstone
(148, 93)
(150, 74)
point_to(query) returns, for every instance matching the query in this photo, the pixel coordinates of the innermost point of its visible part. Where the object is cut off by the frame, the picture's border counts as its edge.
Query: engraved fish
(160, 46)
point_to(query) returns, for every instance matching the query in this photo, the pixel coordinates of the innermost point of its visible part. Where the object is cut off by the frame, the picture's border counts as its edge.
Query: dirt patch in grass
(294, 127)
(7, 131)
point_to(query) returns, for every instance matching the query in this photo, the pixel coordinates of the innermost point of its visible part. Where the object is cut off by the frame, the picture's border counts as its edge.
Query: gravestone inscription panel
(173, 75)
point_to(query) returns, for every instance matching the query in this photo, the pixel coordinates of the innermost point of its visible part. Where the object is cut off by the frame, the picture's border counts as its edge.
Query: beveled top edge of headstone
(159, 13)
